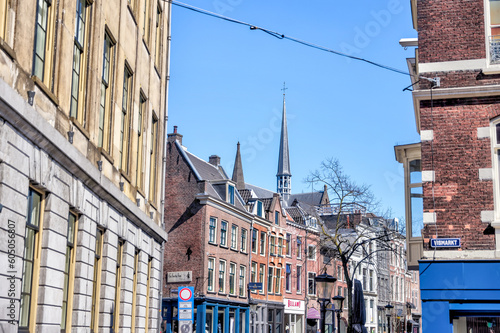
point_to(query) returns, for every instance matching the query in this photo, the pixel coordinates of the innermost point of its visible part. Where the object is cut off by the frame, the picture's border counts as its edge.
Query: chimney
(172, 137)
(214, 160)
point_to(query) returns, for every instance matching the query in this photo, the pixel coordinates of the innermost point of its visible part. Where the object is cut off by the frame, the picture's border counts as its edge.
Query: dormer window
(276, 217)
(230, 194)
(260, 209)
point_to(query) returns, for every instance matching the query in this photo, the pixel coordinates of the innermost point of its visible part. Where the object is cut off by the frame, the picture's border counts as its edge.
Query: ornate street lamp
(338, 301)
(324, 287)
(388, 309)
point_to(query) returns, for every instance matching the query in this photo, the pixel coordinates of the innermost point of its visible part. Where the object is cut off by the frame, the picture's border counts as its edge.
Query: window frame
(211, 275)
(223, 233)
(234, 237)
(222, 276)
(262, 277)
(134, 290)
(243, 237)
(311, 282)
(241, 280)
(311, 253)
(4, 18)
(105, 111)
(69, 272)
(158, 36)
(262, 243)
(118, 277)
(288, 278)
(298, 275)
(212, 230)
(127, 105)
(299, 247)
(96, 283)
(232, 279)
(270, 279)
(43, 69)
(153, 157)
(254, 240)
(139, 167)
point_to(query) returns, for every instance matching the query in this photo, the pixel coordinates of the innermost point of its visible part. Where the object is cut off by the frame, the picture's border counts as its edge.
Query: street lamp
(324, 285)
(388, 309)
(338, 301)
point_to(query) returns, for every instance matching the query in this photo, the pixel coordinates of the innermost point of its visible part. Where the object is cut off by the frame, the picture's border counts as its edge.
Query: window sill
(224, 246)
(106, 155)
(152, 204)
(211, 292)
(80, 127)
(140, 191)
(212, 243)
(125, 175)
(234, 250)
(10, 52)
(146, 45)
(244, 252)
(45, 89)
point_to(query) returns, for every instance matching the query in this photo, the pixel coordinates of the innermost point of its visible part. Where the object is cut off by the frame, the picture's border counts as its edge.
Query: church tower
(284, 177)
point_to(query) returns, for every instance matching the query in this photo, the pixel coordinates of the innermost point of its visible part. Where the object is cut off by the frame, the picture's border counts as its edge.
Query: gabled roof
(259, 191)
(246, 194)
(311, 198)
(206, 170)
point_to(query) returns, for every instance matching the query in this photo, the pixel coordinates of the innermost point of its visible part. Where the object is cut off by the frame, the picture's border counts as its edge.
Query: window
(105, 103)
(288, 274)
(223, 233)
(339, 273)
(232, 272)
(242, 281)
(125, 123)
(222, 276)
(311, 252)
(132, 4)
(371, 280)
(146, 26)
(118, 283)
(365, 285)
(339, 291)
(80, 56)
(234, 237)
(262, 269)
(273, 245)
(159, 18)
(260, 210)
(96, 282)
(253, 273)
(299, 279)
(288, 250)
(254, 240)
(346, 302)
(3, 18)
(416, 198)
(262, 242)
(148, 287)
(134, 290)
(211, 266)
(212, 230)
(153, 157)
(311, 284)
(270, 277)
(31, 260)
(243, 240)
(44, 42)
(299, 247)
(230, 194)
(276, 217)
(69, 272)
(277, 289)
(280, 246)
(139, 177)
(494, 31)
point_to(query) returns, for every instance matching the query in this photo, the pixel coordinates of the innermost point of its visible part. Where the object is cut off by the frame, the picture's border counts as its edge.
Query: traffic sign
(185, 302)
(185, 294)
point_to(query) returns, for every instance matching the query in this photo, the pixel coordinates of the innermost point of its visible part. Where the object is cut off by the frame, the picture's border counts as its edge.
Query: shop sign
(186, 276)
(293, 304)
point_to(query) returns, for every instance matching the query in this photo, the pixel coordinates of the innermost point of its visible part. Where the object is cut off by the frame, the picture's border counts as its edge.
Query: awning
(312, 313)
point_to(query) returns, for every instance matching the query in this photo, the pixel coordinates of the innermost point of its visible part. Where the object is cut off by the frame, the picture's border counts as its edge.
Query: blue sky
(226, 83)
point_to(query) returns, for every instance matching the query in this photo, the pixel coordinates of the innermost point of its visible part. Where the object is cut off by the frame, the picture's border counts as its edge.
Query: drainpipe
(164, 156)
(306, 275)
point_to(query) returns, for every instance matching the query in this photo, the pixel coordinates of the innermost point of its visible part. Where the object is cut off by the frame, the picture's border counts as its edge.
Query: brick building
(82, 109)
(451, 176)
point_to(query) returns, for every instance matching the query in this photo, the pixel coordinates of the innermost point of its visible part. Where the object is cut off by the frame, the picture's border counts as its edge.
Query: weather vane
(284, 88)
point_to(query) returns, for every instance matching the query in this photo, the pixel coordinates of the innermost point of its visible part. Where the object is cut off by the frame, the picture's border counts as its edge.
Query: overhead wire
(293, 39)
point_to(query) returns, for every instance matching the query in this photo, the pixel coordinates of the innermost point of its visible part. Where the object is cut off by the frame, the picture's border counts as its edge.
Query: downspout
(164, 157)
(250, 274)
(306, 276)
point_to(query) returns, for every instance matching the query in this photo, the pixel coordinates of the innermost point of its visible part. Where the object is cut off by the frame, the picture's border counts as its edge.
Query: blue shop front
(210, 316)
(460, 296)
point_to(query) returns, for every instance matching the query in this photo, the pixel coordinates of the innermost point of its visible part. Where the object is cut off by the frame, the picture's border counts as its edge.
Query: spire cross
(284, 88)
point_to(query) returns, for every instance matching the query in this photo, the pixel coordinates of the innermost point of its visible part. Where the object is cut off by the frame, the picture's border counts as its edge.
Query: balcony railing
(495, 49)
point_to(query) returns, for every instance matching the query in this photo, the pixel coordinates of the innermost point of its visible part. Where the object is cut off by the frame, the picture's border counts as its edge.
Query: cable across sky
(283, 36)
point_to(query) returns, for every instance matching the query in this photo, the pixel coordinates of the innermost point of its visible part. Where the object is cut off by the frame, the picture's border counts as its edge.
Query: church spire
(284, 185)
(238, 170)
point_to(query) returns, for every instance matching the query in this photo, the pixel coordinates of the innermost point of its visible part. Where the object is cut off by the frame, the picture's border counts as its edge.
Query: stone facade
(47, 149)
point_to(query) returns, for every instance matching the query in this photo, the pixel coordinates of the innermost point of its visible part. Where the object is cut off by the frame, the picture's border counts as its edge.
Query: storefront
(294, 315)
(216, 315)
(460, 296)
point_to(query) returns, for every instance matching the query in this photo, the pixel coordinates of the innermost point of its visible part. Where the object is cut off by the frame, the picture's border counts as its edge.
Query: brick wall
(450, 30)
(458, 195)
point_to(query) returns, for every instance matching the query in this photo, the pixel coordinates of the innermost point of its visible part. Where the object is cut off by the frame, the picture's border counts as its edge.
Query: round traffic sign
(185, 294)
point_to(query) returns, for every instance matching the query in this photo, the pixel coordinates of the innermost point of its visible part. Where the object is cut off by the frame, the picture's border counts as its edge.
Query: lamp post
(388, 309)
(338, 301)
(324, 285)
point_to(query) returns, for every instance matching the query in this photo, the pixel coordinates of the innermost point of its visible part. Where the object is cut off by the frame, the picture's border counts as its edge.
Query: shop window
(31, 261)
(43, 54)
(80, 56)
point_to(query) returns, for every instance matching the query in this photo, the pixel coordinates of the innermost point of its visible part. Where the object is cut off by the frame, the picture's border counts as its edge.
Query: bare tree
(347, 230)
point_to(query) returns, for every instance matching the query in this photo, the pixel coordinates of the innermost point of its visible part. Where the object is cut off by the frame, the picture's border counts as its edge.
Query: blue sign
(255, 286)
(445, 242)
(185, 312)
